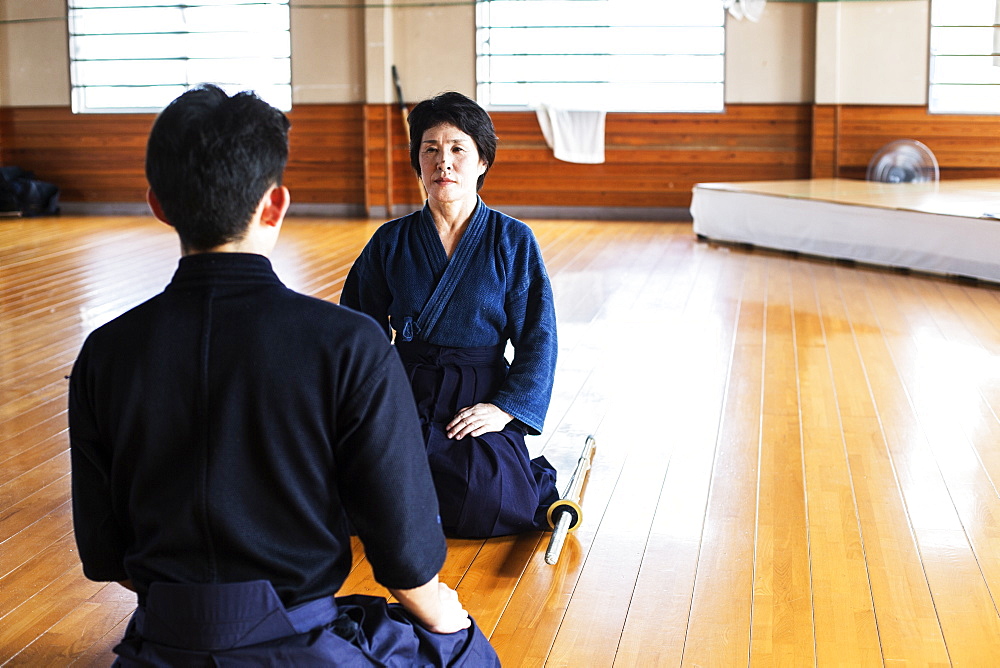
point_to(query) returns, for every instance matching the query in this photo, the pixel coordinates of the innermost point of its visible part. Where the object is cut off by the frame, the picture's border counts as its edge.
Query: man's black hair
(210, 159)
(460, 111)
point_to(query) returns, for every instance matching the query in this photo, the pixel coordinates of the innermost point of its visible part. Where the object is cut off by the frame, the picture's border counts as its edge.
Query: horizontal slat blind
(136, 56)
(617, 55)
(965, 57)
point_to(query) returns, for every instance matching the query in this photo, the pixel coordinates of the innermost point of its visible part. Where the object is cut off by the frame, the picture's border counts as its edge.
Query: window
(138, 56)
(617, 55)
(965, 57)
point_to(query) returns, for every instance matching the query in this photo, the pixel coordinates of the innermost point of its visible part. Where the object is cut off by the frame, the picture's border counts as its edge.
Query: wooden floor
(797, 462)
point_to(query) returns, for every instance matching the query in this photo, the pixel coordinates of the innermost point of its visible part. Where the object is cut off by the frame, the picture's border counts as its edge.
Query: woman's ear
(155, 207)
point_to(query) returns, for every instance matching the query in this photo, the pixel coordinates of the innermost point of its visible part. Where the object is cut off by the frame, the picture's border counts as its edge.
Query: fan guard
(903, 161)
(751, 9)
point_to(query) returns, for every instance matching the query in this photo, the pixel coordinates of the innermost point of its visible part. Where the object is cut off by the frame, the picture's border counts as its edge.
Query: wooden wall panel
(91, 157)
(826, 123)
(965, 145)
(652, 160)
(357, 155)
(326, 163)
(405, 189)
(387, 160)
(100, 157)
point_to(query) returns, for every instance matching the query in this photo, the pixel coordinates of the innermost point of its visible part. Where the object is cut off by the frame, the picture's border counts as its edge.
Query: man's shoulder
(277, 307)
(133, 317)
(316, 313)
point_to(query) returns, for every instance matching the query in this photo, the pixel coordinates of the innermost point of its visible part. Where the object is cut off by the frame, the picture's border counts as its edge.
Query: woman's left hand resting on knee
(435, 605)
(477, 420)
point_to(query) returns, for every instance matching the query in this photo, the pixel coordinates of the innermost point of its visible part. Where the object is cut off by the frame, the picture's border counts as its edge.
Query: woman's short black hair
(460, 111)
(209, 160)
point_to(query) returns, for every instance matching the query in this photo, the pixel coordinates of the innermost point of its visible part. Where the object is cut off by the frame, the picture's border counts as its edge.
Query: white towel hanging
(573, 136)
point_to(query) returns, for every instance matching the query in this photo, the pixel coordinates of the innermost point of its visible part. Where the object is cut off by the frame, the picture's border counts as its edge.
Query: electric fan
(903, 161)
(751, 9)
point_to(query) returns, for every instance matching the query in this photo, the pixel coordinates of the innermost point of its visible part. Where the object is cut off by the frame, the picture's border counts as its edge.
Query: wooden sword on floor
(565, 515)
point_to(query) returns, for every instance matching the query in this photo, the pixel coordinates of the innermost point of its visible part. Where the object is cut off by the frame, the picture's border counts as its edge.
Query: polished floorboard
(797, 460)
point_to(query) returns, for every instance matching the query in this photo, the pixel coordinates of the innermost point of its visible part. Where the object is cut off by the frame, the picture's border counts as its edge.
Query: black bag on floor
(21, 192)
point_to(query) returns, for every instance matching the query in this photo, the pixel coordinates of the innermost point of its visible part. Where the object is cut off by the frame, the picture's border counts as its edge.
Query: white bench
(947, 227)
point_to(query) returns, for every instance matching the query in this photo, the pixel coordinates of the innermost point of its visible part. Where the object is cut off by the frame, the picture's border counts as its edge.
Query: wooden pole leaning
(404, 112)
(565, 515)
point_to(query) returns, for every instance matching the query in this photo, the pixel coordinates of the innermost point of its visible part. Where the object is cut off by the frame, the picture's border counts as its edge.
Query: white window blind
(965, 57)
(617, 55)
(138, 56)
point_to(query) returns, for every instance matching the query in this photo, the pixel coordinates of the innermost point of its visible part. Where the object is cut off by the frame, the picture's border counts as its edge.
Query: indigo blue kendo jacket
(493, 290)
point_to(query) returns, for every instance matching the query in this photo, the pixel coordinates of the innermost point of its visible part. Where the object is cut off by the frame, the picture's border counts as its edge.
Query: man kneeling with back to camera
(227, 433)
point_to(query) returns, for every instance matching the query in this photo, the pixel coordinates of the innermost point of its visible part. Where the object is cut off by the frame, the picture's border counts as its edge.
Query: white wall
(34, 55)
(328, 52)
(435, 49)
(872, 52)
(771, 61)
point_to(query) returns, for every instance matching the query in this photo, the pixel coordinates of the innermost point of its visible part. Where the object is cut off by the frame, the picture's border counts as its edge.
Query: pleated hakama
(486, 485)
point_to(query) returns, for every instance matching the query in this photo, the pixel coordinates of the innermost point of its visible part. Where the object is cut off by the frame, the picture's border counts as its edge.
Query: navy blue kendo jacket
(230, 429)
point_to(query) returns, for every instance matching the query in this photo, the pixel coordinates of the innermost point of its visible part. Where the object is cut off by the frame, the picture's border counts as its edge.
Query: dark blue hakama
(245, 624)
(486, 485)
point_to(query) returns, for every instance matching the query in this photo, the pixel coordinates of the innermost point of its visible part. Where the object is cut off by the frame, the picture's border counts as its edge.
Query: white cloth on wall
(996, 34)
(573, 136)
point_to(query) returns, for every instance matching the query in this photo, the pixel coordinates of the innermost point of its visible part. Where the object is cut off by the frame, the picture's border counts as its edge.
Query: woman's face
(450, 164)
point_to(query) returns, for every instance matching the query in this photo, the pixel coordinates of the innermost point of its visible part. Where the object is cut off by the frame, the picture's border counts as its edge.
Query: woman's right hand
(477, 420)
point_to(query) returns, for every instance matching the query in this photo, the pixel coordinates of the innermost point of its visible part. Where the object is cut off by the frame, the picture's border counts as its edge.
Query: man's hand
(477, 420)
(435, 605)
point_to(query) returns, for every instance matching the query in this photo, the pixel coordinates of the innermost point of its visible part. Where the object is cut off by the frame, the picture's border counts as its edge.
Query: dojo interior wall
(812, 90)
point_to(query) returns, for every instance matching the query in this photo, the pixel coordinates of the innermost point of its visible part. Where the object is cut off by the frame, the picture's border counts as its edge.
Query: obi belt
(244, 623)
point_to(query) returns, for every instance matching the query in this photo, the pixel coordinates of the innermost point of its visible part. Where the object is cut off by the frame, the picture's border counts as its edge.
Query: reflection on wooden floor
(798, 460)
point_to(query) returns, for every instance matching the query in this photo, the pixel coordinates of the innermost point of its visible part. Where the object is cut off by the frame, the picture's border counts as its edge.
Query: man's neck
(233, 247)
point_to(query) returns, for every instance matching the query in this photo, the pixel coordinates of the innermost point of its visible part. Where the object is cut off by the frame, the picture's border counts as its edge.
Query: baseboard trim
(320, 210)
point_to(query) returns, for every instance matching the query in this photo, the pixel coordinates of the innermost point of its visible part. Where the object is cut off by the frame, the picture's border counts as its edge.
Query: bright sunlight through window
(965, 57)
(138, 56)
(616, 55)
